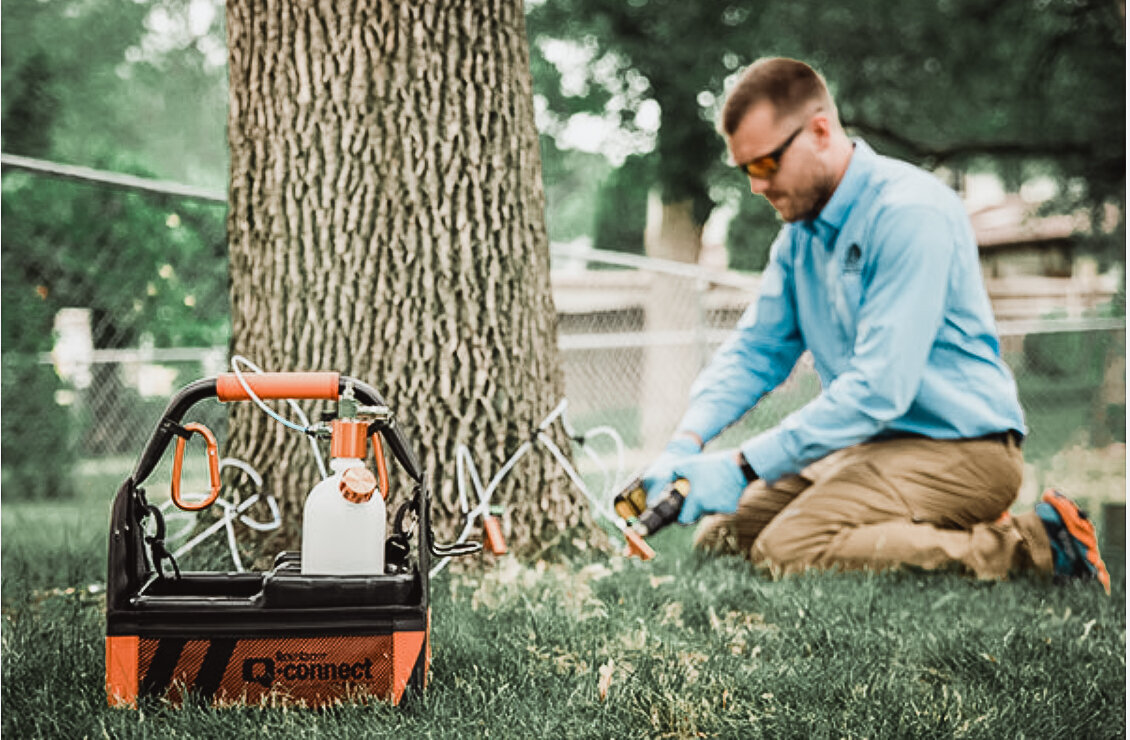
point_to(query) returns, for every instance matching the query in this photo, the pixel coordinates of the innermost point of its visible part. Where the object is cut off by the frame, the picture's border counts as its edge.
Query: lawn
(593, 645)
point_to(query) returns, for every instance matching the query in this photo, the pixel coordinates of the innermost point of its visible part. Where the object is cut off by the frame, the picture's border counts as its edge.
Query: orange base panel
(300, 671)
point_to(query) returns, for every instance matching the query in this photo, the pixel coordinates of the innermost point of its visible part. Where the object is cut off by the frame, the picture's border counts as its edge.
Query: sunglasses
(764, 167)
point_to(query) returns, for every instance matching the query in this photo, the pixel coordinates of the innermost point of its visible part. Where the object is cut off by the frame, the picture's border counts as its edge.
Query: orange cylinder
(348, 438)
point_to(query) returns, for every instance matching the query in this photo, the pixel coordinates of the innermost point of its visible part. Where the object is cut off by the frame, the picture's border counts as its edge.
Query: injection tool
(631, 505)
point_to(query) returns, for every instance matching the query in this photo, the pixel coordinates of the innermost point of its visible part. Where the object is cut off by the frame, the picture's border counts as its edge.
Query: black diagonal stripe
(212, 668)
(161, 668)
(415, 685)
(416, 680)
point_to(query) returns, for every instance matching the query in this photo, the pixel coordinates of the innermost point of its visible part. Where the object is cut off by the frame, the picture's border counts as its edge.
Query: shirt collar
(835, 212)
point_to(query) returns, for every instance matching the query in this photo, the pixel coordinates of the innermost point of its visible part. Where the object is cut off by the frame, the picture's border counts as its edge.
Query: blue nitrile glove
(658, 474)
(717, 482)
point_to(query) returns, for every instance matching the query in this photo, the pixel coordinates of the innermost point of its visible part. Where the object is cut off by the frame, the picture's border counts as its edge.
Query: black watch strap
(747, 469)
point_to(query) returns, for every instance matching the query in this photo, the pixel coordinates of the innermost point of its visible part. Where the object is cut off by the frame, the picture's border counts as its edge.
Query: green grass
(599, 646)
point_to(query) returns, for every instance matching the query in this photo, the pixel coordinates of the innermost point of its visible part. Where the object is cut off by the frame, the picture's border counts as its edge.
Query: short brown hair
(785, 83)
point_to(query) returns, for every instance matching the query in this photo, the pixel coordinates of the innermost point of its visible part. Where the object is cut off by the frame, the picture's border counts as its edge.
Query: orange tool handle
(382, 469)
(316, 386)
(493, 530)
(213, 468)
(636, 546)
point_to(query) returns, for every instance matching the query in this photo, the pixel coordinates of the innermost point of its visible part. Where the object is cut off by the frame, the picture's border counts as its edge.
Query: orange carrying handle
(314, 386)
(213, 468)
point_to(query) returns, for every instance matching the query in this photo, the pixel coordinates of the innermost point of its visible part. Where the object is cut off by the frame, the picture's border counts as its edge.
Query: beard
(803, 203)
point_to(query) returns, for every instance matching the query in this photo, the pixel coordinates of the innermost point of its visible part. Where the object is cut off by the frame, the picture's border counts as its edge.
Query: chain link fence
(97, 338)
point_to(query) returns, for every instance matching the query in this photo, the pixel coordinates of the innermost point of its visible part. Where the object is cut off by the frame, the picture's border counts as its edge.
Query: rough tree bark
(387, 221)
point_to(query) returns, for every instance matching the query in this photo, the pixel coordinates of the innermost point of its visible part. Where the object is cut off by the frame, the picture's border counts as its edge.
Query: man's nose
(758, 185)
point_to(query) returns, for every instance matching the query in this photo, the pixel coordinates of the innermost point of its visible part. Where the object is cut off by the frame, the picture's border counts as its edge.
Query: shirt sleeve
(902, 309)
(755, 358)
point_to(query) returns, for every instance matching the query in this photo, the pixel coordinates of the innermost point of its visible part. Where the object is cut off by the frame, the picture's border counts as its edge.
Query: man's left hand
(716, 483)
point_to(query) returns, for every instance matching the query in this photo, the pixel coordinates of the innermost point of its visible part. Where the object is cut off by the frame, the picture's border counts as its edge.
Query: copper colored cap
(348, 438)
(357, 485)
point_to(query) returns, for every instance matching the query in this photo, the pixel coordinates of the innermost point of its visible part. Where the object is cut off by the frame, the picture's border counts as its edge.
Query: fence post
(1112, 392)
(670, 359)
(73, 352)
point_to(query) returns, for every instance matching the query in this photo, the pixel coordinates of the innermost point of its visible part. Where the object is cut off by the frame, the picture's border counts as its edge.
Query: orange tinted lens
(761, 168)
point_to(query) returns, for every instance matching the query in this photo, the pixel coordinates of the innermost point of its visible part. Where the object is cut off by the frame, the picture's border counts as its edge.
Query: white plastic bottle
(344, 519)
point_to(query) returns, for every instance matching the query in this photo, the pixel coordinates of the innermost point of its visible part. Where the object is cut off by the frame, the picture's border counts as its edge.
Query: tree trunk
(387, 221)
(673, 315)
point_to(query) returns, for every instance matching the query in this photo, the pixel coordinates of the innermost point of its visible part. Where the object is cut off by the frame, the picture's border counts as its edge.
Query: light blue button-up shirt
(884, 288)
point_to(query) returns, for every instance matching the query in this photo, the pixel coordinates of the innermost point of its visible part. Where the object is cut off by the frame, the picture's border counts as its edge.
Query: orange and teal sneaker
(1075, 550)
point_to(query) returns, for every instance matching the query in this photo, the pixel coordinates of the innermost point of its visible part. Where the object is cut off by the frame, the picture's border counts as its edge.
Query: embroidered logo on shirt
(853, 262)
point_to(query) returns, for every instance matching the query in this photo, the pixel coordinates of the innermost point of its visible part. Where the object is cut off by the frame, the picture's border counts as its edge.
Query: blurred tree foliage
(116, 85)
(750, 234)
(113, 85)
(69, 244)
(570, 195)
(621, 207)
(645, 51)
(965, 84)
(113, 76)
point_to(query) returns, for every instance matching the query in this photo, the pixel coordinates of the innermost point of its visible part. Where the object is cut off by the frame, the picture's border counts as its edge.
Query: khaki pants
(907, 501)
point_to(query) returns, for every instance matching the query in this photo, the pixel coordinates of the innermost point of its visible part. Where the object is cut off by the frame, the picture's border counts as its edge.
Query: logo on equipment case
(304, 667)
(266, 674)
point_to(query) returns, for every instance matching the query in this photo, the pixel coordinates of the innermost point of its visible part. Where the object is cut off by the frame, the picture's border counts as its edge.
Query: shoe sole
(1082, 530)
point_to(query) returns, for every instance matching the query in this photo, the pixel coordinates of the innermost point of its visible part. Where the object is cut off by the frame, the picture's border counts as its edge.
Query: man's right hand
(660, 473)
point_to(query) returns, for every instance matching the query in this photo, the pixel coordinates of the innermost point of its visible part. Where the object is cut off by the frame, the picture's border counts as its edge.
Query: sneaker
(1075, 551)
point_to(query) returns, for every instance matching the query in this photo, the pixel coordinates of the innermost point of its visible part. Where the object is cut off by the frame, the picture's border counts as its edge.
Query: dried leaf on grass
(595, 572)
(692, 664)
(547, 586)
(604, 680)
(740, 630)
(673, 614)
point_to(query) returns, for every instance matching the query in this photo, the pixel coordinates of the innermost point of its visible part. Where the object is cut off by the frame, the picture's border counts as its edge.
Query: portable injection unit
(287, 635)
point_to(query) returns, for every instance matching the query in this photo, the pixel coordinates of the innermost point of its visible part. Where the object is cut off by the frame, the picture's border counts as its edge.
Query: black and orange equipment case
(274, 637)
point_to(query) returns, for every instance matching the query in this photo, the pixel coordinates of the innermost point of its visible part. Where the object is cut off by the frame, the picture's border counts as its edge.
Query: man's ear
(822, 129)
